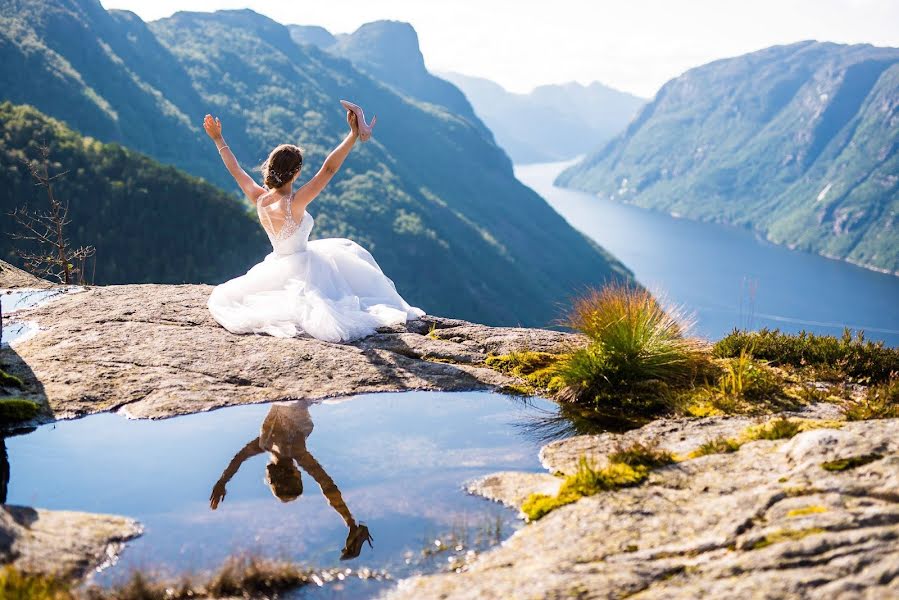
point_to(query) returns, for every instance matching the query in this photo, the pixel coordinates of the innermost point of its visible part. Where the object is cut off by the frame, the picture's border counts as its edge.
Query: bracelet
(223, 147)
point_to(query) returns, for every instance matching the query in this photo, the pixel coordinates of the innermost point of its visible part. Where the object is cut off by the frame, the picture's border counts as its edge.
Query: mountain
(798, 142)
(432, 196)
(553, 122)
(149, 222)
(388, 51)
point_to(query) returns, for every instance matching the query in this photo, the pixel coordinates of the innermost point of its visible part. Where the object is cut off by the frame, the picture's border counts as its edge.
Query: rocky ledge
(154, 351)
(62, 543)
(815, 516)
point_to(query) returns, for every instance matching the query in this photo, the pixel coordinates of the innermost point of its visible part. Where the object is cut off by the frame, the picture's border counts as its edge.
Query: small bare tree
(48, 252)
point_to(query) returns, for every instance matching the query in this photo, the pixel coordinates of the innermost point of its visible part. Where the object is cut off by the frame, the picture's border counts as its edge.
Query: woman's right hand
(213, 127)
(218, 494)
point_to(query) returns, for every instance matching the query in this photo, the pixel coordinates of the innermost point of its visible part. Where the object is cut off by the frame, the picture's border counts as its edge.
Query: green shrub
(636, 349)
(879, 402)
(15, 410)
(845, 357)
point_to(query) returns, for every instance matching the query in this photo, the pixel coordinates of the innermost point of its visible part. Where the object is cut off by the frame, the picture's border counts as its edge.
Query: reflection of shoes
(364, 128)
(354, 541)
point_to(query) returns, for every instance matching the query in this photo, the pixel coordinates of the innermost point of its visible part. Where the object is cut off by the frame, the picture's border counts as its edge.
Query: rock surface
(765, 521)
(154, 351)
(62, 543)
(14, 277)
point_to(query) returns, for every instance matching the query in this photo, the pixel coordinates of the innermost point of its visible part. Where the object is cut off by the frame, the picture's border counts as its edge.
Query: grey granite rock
(62, 543)
(767, 521)
(154, 351)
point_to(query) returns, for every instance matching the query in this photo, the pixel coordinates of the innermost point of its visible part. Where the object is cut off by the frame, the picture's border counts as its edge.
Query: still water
(395, 462)
(728, 276)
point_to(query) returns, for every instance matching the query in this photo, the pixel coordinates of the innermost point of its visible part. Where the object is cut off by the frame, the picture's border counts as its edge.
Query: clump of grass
(16, 410)
(10, 381)
(238, 577)
(637, 349)
(785, 535)
(805, 511)
(747, 378)
(783, 428)
(254, 577)
(879, 402)
(776, 429)
(719, 445)
(851, 462)
(627, 467)
(16, 585)
(536, 368)
(847, 357)
(642, 455)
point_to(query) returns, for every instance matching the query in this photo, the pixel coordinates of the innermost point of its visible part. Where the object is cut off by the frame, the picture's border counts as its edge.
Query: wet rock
(768, 520)
(154, 351)
(512, 487)
(62, 543)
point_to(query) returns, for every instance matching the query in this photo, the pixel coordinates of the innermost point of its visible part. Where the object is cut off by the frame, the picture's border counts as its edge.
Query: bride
(331, 289)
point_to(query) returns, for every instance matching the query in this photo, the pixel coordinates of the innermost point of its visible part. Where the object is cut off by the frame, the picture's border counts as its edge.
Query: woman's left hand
(213, 127)
(352, 122)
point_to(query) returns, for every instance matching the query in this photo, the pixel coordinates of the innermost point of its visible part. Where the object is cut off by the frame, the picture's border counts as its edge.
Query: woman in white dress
(331, 289)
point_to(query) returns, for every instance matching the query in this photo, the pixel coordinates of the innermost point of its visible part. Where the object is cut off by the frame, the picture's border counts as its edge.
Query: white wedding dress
(331, 289)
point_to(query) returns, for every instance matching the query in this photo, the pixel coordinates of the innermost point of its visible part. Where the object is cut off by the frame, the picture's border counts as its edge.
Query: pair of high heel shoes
(364, 128)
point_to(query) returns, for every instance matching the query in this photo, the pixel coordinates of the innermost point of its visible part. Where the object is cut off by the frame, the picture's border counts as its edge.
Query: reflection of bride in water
(283, 435)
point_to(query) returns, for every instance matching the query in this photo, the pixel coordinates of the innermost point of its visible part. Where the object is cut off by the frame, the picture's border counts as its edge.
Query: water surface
(397, 462)
(728, 276)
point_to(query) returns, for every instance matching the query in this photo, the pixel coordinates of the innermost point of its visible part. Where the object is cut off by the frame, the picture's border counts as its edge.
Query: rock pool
(395, 462)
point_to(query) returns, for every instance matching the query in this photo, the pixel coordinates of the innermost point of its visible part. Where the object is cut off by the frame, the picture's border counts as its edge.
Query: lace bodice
(291, 237)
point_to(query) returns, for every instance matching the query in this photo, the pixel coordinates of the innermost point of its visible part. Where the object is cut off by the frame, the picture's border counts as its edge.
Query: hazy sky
(633, 45)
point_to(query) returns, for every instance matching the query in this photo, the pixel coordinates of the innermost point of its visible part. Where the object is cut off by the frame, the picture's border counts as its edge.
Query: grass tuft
(716, 446)
(8, 380)
(851, 462)
(16, 410)
(15, 585)
(637, 351)
(536, 368)
(627, 467)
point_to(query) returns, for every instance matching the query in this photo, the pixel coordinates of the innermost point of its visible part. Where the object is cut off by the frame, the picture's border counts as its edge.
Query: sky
(631, 45)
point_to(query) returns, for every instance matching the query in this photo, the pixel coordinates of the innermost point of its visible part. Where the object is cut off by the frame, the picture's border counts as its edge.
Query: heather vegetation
(638, 361)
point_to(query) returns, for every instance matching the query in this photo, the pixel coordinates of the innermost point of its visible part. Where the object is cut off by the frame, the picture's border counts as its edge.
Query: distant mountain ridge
(552, 122)
(389, 52)
(432, 196)
(799, 142)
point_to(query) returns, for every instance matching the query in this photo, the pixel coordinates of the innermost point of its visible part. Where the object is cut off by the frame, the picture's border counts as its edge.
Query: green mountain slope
(799, 142)
(552, 122)
(432, 196)
(149, 222)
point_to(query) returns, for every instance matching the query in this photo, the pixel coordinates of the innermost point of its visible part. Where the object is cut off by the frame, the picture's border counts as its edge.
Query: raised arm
(314, 186)
(218, 490)
(213, 127)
